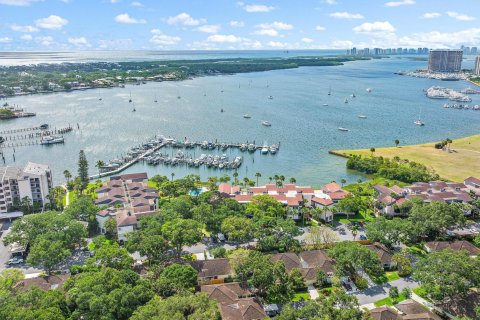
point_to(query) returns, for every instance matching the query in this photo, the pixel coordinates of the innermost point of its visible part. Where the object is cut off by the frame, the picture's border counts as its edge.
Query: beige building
(445, 60)
(33, 181)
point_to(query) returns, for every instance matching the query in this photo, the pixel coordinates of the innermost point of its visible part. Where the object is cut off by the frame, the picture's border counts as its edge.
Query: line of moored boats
(461, 106)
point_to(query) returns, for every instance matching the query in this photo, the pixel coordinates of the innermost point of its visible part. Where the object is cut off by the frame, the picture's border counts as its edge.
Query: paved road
(376, 293)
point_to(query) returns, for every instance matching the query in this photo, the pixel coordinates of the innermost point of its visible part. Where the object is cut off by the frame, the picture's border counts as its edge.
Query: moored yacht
(362, 116)
(264, 148)
(273, 149)
(343, 129)
(247, 116)
(266, 124)
(419, 123)
(51, 139)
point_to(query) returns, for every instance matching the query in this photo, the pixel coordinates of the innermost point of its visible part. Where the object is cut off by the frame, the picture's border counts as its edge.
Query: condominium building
(33, 181)
(476, 71)
(445, 60)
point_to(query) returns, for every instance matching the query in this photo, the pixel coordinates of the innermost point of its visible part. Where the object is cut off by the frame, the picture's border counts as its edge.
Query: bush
(361, 283)
(406, 293)
(393, 292)
(219, 252)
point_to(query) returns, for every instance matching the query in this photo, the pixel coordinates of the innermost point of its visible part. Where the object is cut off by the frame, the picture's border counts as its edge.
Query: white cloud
(208, 28)
(125, 18)
(277, 25)
(114, 1)
(431, 15)
(236, 24)
(52, 22)
(320, 28)
(80, 41)
(436, 39)
(230, 38)
(307, 40)
(330, 1)
(27, 37)
(346, 15)
(341, 44)
(267, 32)
(164, 40)
(18, 28)
(277, 44)
(45, 41)
(136, 4)
(375, 27)
(399, 3)
(20, 3)
(459, 16)
(257, 8)
(184, 19)
(5, 39)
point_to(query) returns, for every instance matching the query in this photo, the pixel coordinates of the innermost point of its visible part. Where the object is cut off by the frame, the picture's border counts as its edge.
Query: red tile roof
(331, 187)
(322, 201)
(338, 195)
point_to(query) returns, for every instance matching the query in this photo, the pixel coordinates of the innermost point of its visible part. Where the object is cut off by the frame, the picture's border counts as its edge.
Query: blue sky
(44, 25)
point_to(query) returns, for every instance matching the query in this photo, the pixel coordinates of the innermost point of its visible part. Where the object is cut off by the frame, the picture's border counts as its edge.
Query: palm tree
(99, 165)
(293, 180)
(397, 142)
(343, 181)
(67, 175)
(282, 179)
(235, 177)
(372, 150)
(246, 180)
(258, 175)
(276, 177)
(173, 175)
(354, 231)
(270, 179)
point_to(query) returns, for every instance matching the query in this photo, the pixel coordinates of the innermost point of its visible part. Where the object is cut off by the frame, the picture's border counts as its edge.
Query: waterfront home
(384, 254)
(454, 245)
(128, 198)
(213, 271)
(235, 301)
(473, 185)
(389, 198)
(308, 262)
(441, 191)
(290, 195)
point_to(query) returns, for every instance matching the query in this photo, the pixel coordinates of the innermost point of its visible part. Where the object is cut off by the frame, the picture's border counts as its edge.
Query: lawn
(301, 296)
(462, 162)
(421, 292)
(389, 301)
(386, 277)
(359, 217)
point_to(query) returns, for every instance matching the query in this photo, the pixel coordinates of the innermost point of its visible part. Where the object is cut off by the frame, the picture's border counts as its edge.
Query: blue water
(305, 128)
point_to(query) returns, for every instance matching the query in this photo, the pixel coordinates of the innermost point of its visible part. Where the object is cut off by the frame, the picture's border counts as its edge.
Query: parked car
(363, 237)
(15, 260)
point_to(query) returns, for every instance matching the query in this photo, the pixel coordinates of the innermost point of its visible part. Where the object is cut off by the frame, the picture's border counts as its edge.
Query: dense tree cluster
(396, 169)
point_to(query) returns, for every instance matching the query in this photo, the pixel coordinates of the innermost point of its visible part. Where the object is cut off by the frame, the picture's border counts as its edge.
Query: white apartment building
(33, 181)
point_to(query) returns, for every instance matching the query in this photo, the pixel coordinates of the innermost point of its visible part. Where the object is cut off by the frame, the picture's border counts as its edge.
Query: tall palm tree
(246, 180)
(270, 179)
(99, 165)
(343, 181)
(235, 177)
(67, 175)
(276, 178)
(372, 150)
(354, 231)
(282, 179)
(173, 175)
(293, 180)
(258, 175)
(397, 142)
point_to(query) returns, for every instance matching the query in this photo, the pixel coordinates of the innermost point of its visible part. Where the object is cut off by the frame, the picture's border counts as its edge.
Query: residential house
(44, 283)
(385, 313)
(454, 245)
(308, 262)
(461, 306)
(441, 191)
(410, 309)
(212, 271)
(390, 198)
(235, 301)
(384, 254)
(128, 198)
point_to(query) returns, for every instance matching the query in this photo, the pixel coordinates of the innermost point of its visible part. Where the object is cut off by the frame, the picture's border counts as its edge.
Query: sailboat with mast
(419, 122)
(130, 100)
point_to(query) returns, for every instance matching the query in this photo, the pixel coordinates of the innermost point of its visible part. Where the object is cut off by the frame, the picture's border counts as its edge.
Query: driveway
(378, 292)
(313, 292)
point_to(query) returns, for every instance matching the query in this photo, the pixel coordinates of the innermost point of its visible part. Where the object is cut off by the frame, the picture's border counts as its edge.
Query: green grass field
(462, 162)
(389, 301)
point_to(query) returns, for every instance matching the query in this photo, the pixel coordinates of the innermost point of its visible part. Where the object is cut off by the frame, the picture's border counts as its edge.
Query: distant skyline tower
(445, 60)
(477, 66)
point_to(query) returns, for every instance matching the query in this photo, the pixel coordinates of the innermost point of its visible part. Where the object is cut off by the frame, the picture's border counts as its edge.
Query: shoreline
(456, 163)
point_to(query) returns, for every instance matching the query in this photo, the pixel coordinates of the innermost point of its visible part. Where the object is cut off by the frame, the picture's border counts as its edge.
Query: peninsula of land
(456, 161)
(45, 78)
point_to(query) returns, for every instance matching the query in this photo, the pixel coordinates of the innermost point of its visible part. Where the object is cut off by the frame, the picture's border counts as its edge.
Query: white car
(15, 260)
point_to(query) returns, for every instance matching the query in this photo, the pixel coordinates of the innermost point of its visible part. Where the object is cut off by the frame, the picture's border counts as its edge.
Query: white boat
(325, 104)
(362, 116)
(247, 116)
(252, 147)
(343, 129)
(270, 97)
(51, 139)
(266, 124)
(419, 123)
(264, 149)
(273, 149)
(346, 100)
(369, 89)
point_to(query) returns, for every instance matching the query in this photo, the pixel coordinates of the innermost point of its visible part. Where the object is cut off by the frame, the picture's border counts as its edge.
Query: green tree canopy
(265, 205)
(238, 228)
(182, 232)
(47, 253)
(176, 278)
(350, 257)
(179, 307)
(110, 255)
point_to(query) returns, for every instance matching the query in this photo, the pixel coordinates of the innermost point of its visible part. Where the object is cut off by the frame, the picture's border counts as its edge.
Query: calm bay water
(302, 124)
